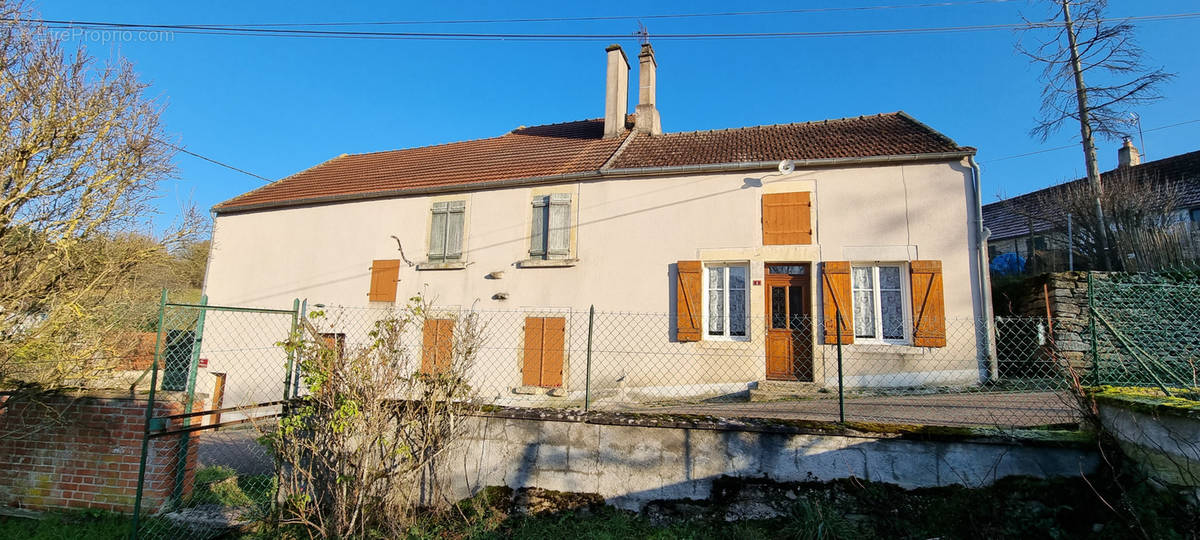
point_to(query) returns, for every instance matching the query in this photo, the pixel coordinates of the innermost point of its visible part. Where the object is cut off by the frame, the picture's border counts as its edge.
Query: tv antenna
(642, 34)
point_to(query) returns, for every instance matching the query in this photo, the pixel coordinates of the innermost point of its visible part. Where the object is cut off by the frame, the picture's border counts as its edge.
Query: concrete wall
(1164, 441)
(634, 461)
(627, 234)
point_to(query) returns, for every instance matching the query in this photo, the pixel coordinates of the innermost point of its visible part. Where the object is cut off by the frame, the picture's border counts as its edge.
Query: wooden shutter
(558, 243)
(688, 288)
(836, 296)
(537, 229)
(545, 338)
(787, 218)
(335, 342)
(437, 345)
(384, 274)
(929, 304)
(455, 212)
(437, 232)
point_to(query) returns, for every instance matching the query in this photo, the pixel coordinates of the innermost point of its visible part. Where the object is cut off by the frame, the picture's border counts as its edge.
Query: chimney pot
(1128, 155)
(647, 114)
(616, 92)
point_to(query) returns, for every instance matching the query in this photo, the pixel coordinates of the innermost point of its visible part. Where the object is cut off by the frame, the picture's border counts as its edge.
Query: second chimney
(647, 115)
(1128, 155)
(616, 92)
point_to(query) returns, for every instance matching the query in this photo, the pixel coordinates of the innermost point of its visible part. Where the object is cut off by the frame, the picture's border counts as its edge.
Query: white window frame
(905, 303)
(705, 311)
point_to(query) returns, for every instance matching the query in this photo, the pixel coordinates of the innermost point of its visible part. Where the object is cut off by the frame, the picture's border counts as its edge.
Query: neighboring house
(1016, 224)
(706, 228)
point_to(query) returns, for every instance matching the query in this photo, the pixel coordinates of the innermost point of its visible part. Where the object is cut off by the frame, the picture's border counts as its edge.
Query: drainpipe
(985, 300)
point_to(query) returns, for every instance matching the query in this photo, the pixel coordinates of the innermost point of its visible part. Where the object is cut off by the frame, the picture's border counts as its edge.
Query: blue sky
(275, 106)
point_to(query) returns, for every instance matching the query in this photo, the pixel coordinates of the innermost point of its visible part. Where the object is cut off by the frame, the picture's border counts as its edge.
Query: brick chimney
(616, 92)
(1128, 155)
(647, 115)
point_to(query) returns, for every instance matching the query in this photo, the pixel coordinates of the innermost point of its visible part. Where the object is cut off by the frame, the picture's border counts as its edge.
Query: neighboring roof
(1004, 221)
(558, 152)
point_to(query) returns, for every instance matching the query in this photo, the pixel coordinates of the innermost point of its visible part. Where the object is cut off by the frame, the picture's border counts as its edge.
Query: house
(707, 253)
(1026, 226)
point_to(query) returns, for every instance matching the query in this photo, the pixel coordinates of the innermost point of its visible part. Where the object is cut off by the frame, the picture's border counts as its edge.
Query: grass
(56, 526)
(223, 486)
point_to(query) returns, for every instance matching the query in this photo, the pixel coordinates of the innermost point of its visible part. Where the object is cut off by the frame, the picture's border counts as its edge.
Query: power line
(346, 34)
(625, 17)
(1065, 146)
(213, 161)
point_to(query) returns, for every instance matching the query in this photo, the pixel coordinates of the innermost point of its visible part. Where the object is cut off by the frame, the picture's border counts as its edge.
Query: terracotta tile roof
(1009, 218)
(863, 136)
(579, 147)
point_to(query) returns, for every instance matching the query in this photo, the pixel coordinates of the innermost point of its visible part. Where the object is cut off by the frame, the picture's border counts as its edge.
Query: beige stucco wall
(628, 234)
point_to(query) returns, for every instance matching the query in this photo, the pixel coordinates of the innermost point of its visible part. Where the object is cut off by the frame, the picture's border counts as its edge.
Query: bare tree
(1086, 46)
(358, 451)
(80, 162)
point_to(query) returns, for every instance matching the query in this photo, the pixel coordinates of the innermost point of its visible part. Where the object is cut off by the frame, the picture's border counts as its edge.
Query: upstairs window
(446, 231)
(550, 234)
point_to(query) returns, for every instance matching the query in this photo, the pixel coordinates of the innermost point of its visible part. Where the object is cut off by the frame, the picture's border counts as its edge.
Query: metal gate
(218, 382)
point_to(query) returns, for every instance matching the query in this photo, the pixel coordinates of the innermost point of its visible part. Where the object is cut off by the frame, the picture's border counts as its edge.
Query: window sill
(455, 265)
(884, 348)
(547, 263)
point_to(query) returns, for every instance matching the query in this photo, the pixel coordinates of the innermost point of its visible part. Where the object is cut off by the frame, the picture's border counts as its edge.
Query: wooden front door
(543, 354)
(789, 325)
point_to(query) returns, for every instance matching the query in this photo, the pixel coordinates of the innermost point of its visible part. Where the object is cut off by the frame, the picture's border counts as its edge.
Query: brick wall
(73, 451)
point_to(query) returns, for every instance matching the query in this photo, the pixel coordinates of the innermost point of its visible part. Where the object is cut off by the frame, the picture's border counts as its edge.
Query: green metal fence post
(185, 439)
(137, 500)
(841, 385)
(291, 355)
(587, 381)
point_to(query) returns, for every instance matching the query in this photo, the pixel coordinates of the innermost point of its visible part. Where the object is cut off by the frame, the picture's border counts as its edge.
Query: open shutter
(384, 274)
(836, 295)
(559, 230)
(929, 304)
(688, 281)
(537, 231)
(787, 218)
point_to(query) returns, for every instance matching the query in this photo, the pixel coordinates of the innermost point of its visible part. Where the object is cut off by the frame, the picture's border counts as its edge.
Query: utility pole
(1089, 146)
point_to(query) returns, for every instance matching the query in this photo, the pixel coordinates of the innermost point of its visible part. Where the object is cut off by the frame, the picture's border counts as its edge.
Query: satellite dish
(786, 166)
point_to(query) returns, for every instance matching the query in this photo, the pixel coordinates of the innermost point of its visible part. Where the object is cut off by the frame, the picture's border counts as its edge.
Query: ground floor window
(879, 302)
(726, 307)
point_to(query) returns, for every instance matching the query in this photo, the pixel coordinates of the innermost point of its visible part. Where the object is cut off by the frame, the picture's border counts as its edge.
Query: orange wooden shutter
(554, 330)
(437, 345)
(531, 367)
(687, 302)
(929, 304)
(836, 293)
(787, 218)
(383, 280)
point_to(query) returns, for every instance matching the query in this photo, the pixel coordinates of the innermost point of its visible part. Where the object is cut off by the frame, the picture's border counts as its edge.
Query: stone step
(785, 390)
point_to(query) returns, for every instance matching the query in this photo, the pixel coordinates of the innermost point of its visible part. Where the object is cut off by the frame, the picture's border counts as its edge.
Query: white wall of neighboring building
(628, 233)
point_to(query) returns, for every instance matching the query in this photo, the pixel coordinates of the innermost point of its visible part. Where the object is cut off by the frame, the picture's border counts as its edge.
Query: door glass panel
(778, 307)
(796, 302)
(786, 269)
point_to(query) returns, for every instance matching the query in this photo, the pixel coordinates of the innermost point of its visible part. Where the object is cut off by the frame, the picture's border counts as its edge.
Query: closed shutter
(537, 230)
(787, 218)
(688, 282)
(335, 342)
(383, 280)
(446, 230)
(559, 230)
(545, 339)
(929, 304)
(437, 345)
(836, 297)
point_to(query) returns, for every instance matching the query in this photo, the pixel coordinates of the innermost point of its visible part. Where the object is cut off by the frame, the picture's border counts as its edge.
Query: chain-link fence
(1146, 330)
(756, 367)
(218, 382)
